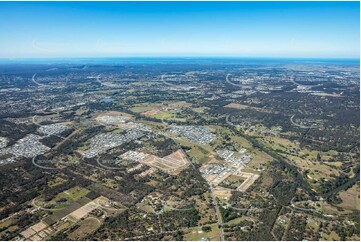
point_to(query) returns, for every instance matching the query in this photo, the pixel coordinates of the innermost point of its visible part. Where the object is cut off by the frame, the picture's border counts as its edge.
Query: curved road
(292, 79)
(37, 83)
(303, 126)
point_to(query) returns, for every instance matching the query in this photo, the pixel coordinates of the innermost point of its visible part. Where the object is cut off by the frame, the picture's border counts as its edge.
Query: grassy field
(8, 225)
(141, 109)
(168, 116)
(56, 181)
(199, 110)
(87, 226)
(331, 236)
(242, 106)
(351, 198)
(243, 142)
(198, 154)
(260, 160)
(304, 158)
(144, 107)
(232, 181)
(195, 234)
(80, 111)
(62, 199)
(223, 194)
(237, 220)
(73, 194)
(8, 230)
(200, 150)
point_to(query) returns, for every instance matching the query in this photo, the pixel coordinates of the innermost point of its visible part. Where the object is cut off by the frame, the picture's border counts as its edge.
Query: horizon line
(179, 57)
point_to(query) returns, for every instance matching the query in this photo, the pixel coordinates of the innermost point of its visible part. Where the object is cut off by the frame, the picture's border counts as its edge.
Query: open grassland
(259, 162)
(72, 194)
(196, 234)
(242, 142)
(330, 236)
(141, 109)
(237, 220)
(56, 181)
(8, 225)
(156, 107)
(316, 163)
(242, 107)
(200, 109)
(63, 199)
(170, 116)
(223, 194)
(351, 198)
(232, 181)
(112, 113)
(198, 152)
(85, 228)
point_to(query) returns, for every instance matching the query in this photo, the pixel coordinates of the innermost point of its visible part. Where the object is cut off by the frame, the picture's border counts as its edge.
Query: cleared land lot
(250, 179)
(174, 161)
(36, 232)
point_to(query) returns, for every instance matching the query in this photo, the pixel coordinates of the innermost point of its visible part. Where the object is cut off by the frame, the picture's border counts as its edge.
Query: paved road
(37, 83)
(66, 138)
(292, 79)
(44, 167)
(107, 167)
(219, 216)
(303, 126)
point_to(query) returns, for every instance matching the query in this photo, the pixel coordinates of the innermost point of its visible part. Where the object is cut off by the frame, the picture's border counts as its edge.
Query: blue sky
(234, 29)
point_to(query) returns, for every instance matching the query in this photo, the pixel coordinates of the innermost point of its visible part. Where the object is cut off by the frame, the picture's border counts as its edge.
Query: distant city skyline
(182, 29)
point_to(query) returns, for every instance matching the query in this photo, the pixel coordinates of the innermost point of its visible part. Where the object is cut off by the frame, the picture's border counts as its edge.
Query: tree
(206, 229)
